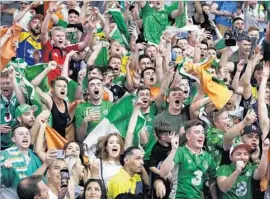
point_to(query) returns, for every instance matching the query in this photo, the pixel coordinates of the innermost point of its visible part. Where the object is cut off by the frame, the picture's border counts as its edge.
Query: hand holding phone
(64, 173)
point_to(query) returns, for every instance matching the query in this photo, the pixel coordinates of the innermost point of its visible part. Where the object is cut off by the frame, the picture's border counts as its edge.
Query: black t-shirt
(158, 155)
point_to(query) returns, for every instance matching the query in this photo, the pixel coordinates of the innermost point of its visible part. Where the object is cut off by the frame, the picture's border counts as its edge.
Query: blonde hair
(57, 28)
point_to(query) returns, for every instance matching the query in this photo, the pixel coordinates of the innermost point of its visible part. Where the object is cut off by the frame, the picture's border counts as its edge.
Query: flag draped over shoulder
(218, 93)
(117, 121)
(8, 49)
(54, 139)
(102, 58)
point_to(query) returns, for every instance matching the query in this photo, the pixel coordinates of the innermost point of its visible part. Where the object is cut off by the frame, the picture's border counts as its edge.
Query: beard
(35, 31)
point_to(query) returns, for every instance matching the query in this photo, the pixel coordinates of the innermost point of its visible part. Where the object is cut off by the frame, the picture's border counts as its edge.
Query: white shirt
(24, 20)
(109, 169)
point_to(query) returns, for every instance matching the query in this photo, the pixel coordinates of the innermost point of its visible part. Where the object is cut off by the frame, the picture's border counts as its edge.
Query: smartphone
(60, 154)
(64, 173)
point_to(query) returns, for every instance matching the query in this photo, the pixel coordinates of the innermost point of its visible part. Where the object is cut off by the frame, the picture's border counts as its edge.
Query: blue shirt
(229, 6)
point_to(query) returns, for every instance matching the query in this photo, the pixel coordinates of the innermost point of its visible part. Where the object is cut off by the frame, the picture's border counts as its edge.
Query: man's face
(94, 73)
(115, 63)
(195, 137)
(203, 48)
(240, 154)
(151, 51)
(254, 33)
(6, 87)
(212, 54)
(35, 26)
(108, 78)
(224, 121)
(183, 44)
(150, 77)
(135, 161)
(71, 4)
(116, 49)
(60, 89)
(28, 118)
(54, 176)
(95, 89)
(252, 139)
(178, 52)
(239, 24)
(145, 63)
(73, 18)
(184, 85)
(59, 39)
(22, 138)
(175, 100)
(145, 96)
(158, 4)
(258, 74)
(244, 47)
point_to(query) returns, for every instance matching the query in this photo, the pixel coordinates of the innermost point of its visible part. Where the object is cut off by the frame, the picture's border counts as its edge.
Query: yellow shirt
(254, 92)
(122, 182)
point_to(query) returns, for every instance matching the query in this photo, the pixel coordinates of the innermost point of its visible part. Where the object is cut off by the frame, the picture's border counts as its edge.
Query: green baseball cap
(23, 108)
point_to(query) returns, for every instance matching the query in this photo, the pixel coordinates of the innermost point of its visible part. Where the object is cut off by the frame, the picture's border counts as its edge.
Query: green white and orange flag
(217, 92)
(8, 49)
(117, 121)
(54, 139)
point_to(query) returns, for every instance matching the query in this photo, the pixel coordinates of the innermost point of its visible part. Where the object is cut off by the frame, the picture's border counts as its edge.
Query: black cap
(252, 129)
(73, 11)
(242, 37)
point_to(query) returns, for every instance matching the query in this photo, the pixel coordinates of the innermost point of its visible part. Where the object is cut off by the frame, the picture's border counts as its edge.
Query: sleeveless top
(60, 120)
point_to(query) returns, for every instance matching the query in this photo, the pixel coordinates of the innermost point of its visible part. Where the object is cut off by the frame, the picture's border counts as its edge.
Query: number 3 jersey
(193, 171)
(242, 187)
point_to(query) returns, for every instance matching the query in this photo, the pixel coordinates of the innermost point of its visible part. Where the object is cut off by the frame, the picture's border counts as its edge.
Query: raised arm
(262, 107)
(235, 83)
(261, 171)
(65, 69)
(236, 130)
(168, 164)
(44, 35)
(91, 25)
(21, 14)
(179, 10)
(141, 4)
(132, 123)
(94, 55)
(16, 88)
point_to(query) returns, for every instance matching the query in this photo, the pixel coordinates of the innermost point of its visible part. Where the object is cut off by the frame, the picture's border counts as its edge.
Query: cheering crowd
(135, 99)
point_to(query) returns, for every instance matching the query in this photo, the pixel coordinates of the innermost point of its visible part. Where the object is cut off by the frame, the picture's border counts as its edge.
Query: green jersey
(214, 142)
(155, 20)
(8, 108)
(72, 87)
(120, 80)
(82, 110)
(193, 171)
(149, 117)
(242, 187)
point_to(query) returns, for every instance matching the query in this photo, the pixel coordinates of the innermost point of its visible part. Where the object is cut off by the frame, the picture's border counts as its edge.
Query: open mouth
(5, 90)
(144, 101)
(61, 42)
(96, 92)
(25, 141)
(62, 92)
(200, 141)
(115, 150)
(177, 102)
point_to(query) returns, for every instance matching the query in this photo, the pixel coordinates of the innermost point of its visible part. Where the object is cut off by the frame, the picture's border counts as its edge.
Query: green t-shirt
(8, 108)
(149, 117)
(242, 187)
(155, 22)
(214, 142)
(82, 110)
(120, 80)
(193, 171)
(72, 87)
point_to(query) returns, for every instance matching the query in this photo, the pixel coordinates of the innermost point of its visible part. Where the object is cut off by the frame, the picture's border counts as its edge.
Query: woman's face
(93, 191)
(113, 147)
(73, 149)
(79, 169)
